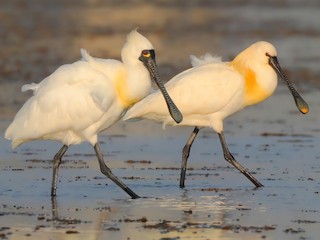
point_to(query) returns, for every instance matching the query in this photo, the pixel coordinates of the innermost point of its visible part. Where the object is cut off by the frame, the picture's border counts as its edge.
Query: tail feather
(10, 136)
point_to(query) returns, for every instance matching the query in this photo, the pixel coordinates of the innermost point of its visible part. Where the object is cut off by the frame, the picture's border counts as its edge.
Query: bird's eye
(267, 54)
(146, 53)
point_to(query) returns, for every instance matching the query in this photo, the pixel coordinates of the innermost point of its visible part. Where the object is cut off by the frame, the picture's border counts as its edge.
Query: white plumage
(205, 59)
(212, 90)
(71, 105)
(81, 99)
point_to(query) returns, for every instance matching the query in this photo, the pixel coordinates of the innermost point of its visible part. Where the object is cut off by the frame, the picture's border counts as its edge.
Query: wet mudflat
(273, 140)
(218, 202)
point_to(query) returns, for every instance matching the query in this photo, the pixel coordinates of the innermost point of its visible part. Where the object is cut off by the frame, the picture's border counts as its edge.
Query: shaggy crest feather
(205, 59)
(32, 86)
(85, 55)
(135, 43)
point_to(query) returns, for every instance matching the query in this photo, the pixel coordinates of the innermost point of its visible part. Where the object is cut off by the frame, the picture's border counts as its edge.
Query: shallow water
(273, 140)
(218, 202)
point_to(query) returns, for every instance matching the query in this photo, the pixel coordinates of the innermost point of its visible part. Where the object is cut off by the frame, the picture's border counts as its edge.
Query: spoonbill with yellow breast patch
(213, 90)
(80, 100)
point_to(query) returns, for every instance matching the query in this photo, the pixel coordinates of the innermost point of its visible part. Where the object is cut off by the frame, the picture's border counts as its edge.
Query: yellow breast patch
(120, 82)
(253, 91)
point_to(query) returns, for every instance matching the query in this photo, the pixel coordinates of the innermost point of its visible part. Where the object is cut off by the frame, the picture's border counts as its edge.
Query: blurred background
(273, 139)
(38, 36)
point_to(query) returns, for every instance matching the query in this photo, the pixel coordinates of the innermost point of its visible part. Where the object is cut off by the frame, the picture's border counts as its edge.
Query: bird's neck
(259, 83)
(132, 84)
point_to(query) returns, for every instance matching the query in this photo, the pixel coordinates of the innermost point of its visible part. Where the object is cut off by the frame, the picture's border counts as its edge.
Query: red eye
(146, 53)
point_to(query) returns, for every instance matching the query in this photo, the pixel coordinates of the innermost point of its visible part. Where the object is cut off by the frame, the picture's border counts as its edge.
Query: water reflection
(184, 212)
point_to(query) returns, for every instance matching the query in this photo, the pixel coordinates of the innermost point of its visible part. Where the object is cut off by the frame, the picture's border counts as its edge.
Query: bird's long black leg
(107, 171)
(54, 208)
(56, 163)
(228, 156)
(185, 155)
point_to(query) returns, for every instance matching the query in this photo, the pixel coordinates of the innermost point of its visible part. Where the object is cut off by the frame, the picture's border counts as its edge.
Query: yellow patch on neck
(121, 85)
(254, 93)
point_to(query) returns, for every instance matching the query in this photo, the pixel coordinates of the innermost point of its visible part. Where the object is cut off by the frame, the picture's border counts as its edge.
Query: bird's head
(265, 53)
(139, 50)
(134, 46)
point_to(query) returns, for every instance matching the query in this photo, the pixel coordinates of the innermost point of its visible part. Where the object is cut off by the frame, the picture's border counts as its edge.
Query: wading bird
(79, 100)
(212, 90)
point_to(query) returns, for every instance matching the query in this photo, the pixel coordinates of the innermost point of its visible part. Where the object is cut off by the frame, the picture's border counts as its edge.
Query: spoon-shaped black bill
(174, 111)
(301, 104)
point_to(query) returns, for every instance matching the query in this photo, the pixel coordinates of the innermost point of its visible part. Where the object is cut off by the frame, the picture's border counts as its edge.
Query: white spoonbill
(81, 99)
(213, 90)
